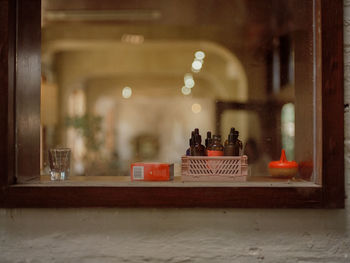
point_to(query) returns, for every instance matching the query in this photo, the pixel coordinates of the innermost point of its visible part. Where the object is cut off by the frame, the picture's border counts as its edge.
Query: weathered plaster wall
(194, 235)
(182, 235)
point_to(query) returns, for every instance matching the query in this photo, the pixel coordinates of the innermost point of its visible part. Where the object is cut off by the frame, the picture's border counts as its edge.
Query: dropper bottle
(231, 132)
(198, 148)
(196, 131)
(216, 148)
(191, 142)
(230, 146)
(208, 140)
(188, 151)
(238, 144)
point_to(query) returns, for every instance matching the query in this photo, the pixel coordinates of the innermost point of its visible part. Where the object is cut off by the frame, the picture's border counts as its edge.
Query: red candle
(283, 167)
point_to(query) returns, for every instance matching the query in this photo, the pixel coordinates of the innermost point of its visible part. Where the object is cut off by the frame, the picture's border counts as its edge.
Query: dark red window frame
(20, 64)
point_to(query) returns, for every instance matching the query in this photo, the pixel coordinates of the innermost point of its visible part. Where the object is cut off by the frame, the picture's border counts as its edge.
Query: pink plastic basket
(214, 169)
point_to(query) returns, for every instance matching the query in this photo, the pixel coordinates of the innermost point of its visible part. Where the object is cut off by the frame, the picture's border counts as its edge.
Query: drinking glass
(59, 159)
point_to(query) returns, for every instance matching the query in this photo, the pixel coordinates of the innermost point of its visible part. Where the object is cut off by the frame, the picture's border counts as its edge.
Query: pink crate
(214, 169)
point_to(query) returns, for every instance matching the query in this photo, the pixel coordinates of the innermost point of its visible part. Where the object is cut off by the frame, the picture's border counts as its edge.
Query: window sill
(102, 192)
(124, 181)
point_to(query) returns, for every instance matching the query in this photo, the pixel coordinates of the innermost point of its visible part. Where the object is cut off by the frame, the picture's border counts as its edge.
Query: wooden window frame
(20, 67)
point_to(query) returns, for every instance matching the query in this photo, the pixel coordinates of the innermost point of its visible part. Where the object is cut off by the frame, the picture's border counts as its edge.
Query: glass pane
(128, 81)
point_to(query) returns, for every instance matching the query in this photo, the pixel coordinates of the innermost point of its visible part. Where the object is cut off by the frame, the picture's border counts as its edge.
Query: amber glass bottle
(230, 146)
(208, 140)
(189, 150)
(238, 144)
(198, 149)
(231, 132)
(216, 148)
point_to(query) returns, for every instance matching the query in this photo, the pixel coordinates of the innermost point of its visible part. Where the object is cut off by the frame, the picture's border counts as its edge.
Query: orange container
(152, 172)
(283, 168)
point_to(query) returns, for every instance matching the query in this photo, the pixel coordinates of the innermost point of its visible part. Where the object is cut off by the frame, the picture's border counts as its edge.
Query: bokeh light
(126, 92)
(185, 90)
(196, 108)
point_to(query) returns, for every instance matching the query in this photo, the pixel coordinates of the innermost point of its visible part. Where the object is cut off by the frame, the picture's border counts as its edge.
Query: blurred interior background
(126, 81)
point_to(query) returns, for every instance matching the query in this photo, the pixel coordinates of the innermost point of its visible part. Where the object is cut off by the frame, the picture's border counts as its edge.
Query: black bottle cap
(208, 140)
(196, 131)
(232, 135)
(208, 134)
(197, 139)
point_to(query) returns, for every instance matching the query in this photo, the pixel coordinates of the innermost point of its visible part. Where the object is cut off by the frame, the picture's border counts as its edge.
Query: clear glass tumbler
(59, 159)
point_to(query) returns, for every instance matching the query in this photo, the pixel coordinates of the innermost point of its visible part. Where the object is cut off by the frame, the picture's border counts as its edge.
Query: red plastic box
(152, 172)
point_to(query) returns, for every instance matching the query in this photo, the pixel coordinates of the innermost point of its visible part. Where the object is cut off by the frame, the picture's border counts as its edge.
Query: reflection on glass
(189, 83)
(288, 130)
(196, 108)
(126, 92)
(235, 66)
(196, 65)
(200, 55)
(185, 90)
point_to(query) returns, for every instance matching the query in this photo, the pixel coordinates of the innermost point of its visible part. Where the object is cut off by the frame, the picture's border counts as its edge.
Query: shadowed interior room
(124, 82)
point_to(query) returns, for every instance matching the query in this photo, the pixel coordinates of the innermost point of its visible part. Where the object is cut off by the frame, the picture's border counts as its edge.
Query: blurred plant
(89, 128)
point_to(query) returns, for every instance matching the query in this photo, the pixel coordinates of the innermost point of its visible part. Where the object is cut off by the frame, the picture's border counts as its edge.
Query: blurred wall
(155, 72)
